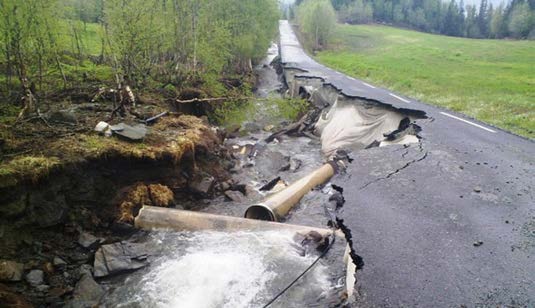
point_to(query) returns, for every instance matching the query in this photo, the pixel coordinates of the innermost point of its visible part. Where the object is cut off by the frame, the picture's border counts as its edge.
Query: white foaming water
(216, 269)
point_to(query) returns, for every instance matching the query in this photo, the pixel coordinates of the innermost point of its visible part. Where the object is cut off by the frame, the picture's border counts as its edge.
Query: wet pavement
(449, 222)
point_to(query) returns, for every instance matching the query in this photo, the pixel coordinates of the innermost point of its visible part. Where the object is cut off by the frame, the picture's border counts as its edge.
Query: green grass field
(490, 80)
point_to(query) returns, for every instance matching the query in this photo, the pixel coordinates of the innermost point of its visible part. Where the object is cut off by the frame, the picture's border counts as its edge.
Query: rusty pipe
(278, 205)
(150, 218)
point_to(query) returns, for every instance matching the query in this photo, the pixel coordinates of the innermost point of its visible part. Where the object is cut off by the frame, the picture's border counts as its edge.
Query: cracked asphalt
(449, 222)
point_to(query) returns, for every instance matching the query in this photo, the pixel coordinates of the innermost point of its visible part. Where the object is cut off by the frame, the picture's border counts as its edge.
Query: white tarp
(351, 126)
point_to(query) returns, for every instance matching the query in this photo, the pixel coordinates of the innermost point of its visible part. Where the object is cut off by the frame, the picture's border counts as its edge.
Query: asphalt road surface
(449, 222)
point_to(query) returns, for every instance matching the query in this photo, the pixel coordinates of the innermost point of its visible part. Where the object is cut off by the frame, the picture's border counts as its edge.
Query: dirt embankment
(66, 189)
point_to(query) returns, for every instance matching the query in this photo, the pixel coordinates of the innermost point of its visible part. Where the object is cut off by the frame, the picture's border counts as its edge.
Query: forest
(51, 45)
(514, 19)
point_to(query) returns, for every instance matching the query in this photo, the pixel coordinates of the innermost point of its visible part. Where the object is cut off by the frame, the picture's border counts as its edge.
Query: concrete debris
(35, 277)
(118, 258)
(233, 195)
(10, 270)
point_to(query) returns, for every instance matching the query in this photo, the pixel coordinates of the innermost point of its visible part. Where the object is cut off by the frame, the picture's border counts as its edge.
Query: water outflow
(219, 269)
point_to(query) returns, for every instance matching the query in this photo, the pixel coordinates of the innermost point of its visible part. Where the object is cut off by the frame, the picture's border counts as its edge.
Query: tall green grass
(490, 80)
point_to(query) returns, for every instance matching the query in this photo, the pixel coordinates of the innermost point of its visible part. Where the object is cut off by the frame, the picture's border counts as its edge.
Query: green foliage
(232, 113)
(491, 80)
(521, 20)
(29, 44)
(356, 12)
(450, 17)
(316, 19)
(289, 109)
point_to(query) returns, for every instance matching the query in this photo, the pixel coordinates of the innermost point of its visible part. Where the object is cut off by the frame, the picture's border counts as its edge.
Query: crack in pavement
(391, 174)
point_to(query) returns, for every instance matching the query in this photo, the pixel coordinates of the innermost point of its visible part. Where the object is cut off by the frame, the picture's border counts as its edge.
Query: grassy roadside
(490, 80)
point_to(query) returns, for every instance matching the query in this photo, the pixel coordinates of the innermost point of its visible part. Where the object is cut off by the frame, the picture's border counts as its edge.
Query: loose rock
(10, 270)
(88, 290)
(477, 189)
(59, 262)
(203, 186)
(119, 257)
(35, 277)
(233, 195)
(88, 240)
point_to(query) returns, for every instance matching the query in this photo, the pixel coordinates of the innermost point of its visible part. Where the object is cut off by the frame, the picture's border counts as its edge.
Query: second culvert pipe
(278, 205)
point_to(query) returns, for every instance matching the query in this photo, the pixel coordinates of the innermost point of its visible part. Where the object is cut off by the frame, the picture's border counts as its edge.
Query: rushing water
(217, 269)
(242, 269)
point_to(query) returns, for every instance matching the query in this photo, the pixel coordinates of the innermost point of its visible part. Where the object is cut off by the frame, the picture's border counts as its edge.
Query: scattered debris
(132, 133)
(156, 117)
(103, 128)
(119, 257)
(269, 186)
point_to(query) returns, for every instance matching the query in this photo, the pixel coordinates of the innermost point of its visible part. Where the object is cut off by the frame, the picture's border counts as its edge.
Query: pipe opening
(260, 212)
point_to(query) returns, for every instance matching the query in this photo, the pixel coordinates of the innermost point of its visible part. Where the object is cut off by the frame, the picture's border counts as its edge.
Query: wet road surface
(444, 223)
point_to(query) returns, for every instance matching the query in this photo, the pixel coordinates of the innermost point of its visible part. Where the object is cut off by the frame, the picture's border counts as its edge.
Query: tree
(317, 19)
(29, 45)
(482, 18)
(356, 12)
(498, 27)
(472, 24)
(521, 20)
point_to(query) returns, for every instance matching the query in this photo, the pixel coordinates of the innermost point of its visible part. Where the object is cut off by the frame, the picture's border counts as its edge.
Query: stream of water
(243, 269)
